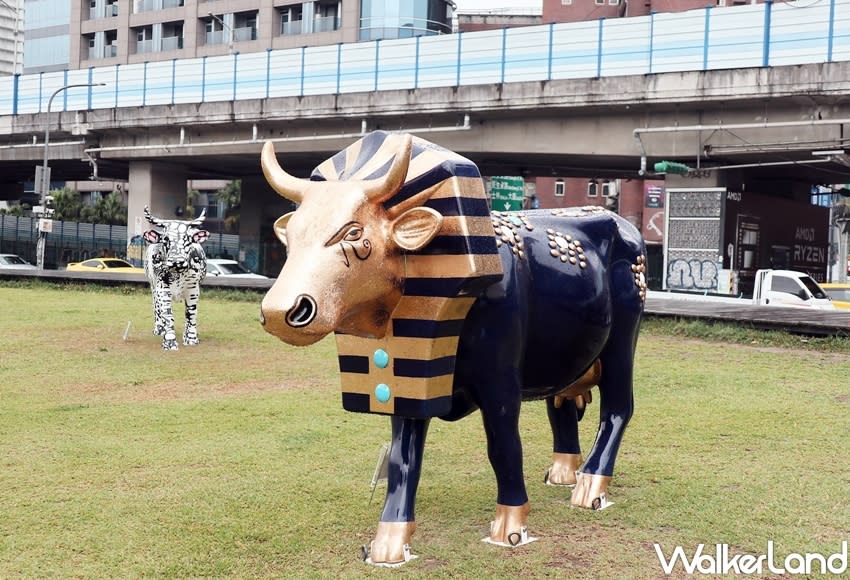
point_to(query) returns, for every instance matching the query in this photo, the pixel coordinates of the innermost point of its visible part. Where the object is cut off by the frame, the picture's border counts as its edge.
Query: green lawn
(234, 458)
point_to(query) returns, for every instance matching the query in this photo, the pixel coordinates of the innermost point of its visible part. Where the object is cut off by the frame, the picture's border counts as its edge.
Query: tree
(231, 196)
(67, 204)
(191, 197)
(106, 210)
(17, 210)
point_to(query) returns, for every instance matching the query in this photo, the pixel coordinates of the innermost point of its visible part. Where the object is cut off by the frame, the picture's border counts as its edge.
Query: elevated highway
(776, 116)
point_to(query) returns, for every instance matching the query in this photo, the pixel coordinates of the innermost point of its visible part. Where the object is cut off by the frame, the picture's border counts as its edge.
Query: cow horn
(389, 184)
(153, 220)
(290, 187)
(200, 219)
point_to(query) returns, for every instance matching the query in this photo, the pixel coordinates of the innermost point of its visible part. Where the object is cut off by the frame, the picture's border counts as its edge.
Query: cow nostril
(303, 312)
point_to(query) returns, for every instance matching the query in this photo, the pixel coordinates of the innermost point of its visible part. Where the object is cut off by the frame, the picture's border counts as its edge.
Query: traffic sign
(507, 192)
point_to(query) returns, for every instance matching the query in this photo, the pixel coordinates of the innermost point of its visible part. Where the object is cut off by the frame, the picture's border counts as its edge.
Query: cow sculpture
(441, 307)
(175, 264)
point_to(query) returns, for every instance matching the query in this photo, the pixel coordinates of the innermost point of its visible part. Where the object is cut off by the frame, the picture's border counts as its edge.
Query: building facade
(106, 32)
(11, 36)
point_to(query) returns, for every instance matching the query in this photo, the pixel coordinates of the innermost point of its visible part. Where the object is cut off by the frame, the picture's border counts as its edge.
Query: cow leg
(566, 449)
(158, 321)
(504, 449)
(616, 406)
(162, 305)
(391, 545)
(190, 331)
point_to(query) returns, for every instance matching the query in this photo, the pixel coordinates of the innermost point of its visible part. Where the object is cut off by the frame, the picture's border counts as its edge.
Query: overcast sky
(499, 5)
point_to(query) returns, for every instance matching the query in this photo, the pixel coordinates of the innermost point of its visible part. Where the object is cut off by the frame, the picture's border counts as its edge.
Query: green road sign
(507, 192)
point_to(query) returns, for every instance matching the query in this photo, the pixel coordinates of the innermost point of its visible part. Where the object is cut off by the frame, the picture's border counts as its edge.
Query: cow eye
(353, 234)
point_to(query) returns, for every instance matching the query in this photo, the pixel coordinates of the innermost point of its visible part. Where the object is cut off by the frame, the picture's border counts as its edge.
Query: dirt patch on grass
(188, 390)
(801, 351)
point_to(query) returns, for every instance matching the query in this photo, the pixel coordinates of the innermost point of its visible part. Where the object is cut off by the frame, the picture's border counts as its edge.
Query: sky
(498, 5)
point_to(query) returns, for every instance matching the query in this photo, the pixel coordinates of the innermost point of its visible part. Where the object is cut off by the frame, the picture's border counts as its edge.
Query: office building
(91, 33)
(11, 36)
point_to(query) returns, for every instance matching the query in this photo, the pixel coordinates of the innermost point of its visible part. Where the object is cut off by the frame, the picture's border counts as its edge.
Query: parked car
(110, 265)
(9, 261)
(229, 269)
(839, 294)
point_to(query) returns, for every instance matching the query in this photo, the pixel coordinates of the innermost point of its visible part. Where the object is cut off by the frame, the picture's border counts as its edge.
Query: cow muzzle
(292, 325)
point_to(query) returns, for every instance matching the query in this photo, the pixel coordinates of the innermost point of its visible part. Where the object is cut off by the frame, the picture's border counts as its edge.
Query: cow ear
(152, 236)
(280, 227)
(200, 236)
(415, 228)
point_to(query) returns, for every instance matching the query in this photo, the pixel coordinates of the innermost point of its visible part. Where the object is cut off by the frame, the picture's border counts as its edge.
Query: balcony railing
(217, 37)
(292, 27)
(106, 52)
(320, 24)
(148, 5)
(165, 44)
(171, 43)
(100, 11)
(244, 33)
(325, 24)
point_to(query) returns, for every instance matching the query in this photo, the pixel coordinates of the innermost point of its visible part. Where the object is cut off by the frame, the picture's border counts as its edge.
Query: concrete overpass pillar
(161, 187)
(259, 250)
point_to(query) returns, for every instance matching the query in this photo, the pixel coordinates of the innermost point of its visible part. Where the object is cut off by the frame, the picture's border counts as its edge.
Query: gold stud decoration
(566, 248)
(507, 227)
(579, 211)
(639, 270)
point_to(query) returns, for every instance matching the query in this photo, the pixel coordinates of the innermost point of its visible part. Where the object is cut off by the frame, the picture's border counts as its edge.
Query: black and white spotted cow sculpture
(175, 264)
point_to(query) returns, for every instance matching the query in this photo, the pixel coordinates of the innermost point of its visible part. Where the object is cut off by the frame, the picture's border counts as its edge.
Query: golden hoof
(591, 491)
(510, 528)
(391, 546)
(563, 469)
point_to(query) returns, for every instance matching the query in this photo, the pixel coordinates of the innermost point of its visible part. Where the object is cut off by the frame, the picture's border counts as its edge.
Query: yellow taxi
(106, 265)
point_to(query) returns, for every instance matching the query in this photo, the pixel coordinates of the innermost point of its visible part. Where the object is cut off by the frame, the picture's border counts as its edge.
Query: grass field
(234, 458)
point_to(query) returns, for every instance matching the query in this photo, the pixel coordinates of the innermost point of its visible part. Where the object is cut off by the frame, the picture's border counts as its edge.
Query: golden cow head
(345, 251)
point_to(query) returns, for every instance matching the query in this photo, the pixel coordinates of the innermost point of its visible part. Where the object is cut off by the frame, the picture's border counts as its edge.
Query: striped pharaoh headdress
(410, 371)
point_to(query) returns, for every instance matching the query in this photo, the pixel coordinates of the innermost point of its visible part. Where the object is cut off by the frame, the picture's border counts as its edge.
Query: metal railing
(78, 241)
(752, 35)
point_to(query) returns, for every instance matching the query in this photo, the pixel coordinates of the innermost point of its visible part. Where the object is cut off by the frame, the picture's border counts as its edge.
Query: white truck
(789, 288)
(772, 288)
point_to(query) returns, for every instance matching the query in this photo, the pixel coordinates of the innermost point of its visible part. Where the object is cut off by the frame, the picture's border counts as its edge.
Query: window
(788, 286)
(559, 187)
(613, 2)
(592, 188)
(608, 189)
(566, 2)
(600, 1)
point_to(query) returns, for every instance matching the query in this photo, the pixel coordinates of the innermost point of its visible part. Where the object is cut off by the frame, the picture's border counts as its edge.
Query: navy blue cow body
(558, 313)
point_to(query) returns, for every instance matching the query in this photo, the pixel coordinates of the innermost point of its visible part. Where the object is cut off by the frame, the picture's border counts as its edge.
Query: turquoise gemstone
(382, 393)
(381, 358)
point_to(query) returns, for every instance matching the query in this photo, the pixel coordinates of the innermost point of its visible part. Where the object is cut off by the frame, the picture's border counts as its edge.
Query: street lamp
(17, 10)
(44, 185)
(223, 26)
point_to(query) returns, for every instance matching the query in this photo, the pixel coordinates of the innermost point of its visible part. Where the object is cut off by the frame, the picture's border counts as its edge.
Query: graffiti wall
(693, 230)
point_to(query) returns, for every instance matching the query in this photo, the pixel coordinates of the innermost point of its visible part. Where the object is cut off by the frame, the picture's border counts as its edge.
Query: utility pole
(224, 26)
(43, 211)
